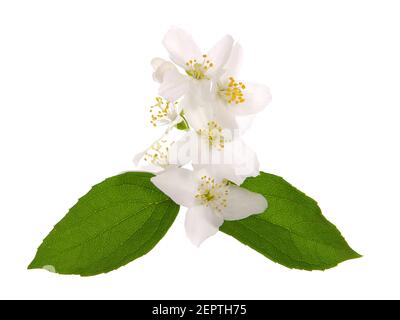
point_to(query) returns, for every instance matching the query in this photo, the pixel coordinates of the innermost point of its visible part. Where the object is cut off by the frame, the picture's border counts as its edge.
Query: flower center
(162, 112)
(157, 154)
(233, 92)
(213, 134)
(199, 70)
(212, 194)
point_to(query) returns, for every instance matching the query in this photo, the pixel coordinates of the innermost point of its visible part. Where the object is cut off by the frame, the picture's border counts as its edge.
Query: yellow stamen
(157, 154)
(212, 194)
(198, 70)
(162, 111)
(213, 134)
(233, 92)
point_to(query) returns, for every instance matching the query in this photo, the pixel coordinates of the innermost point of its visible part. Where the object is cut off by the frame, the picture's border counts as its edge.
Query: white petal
(173, 83)
(173, 86)
(223, 116)
(180, 153)
(242, 203)
(157, 62)
(197, 117)
(220, 54)
(181, 46)
(235, 162)
(201, 223)
(178, 184)
(234, 62)
(198, 111)
(245, 160)
(142, 165)
(245, 122)
(221, 171)
(257, 97)
(160, 67)
(139, 156)
(201, 108)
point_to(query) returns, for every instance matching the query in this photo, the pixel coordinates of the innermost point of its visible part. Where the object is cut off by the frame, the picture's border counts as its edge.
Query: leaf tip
(32, 265)
(356, 255)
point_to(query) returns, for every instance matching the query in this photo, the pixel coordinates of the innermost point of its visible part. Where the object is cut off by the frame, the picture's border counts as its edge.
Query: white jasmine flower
(210, 80)
(165, 112)
(210, 200)
(199, 68)
(201, 96)
(214, 145)
(173, 84)
(237, 97)
(214, 105)
(224, 154)
(184, 52)
(157, 157)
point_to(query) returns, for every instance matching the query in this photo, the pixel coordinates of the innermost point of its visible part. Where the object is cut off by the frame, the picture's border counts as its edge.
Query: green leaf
(292, 231)
(118, 221)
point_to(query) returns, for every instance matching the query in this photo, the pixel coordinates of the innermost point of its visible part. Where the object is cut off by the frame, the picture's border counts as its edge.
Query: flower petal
(160, 67)
(142, 165)
(257, 97)
(235, 162)
(234, 62)
(224, 117)
(178, 184)
(245, 122)
(196, 104)
(196, 116)
(181, 46)
(223, 171)
(138, 157)
(201, 223)
(157, 62)
(180, 152)
(200, 109)
(220, 54)
(173, 86)
(242, 203)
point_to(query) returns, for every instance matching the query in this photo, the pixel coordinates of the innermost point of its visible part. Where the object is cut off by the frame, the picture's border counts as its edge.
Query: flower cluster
(205, 110)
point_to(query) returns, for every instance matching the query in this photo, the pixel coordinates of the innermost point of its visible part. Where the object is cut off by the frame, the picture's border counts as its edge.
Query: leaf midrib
(110, 228)
(296, 261)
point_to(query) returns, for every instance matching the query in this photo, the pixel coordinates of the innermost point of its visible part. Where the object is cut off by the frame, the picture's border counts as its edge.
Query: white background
(75, 86)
